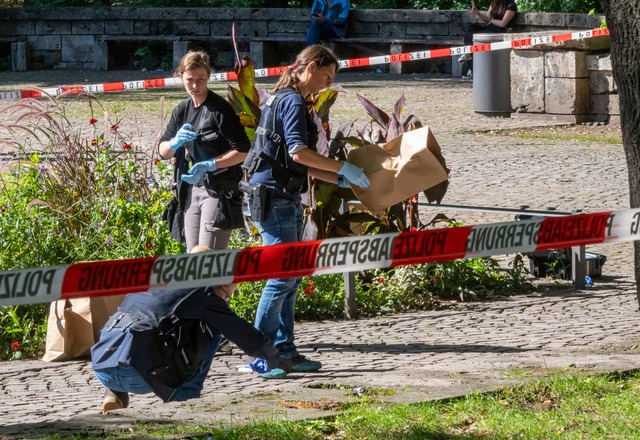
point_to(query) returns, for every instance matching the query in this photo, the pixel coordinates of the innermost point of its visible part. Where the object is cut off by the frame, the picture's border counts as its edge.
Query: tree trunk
(623, 21)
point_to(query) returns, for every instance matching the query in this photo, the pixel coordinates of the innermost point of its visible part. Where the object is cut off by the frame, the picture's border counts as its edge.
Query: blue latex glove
(198, 171)
(343, 182)
(183, 135)
(354, 175)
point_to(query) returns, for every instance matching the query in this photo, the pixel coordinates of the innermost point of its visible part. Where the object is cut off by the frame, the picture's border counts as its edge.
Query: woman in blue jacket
(328, 20)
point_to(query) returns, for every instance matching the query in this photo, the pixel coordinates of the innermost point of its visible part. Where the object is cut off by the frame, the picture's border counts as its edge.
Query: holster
(258, 199)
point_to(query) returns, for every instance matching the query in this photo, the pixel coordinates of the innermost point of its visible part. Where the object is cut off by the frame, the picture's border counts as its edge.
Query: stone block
(180, 48)
(565, 64)
(50, 27)
(363, 30)
(418, 30)
(20, 56)
(602, 82)
(193, 28)
(119, 27)
(243, 29)
(527, 81)
(77, 49)
(283, 29)
(223, 59)
(600, 61)
(100, 55)
(543, 41)
(22, 28)
(566, 96)
(141, 27)
(392, 30)
(52, 42)
(161, 27)
(583, 21)
(605, 104)
(87, 27)
(51, 58)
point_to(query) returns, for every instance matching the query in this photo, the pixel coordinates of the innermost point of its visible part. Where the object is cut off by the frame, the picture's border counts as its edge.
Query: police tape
(335, 255)
(344, 64)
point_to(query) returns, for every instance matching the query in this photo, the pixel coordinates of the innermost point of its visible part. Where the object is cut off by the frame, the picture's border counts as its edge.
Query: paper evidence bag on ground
(399, 169)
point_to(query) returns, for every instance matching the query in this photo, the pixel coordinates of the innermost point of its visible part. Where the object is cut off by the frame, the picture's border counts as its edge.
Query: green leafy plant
(73, 191)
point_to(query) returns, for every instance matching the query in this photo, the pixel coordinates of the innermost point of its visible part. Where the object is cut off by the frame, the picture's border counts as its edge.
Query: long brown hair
(498, 7)
(194, 59)
(318, 53)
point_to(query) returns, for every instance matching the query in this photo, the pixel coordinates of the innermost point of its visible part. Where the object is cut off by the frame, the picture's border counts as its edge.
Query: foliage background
(582, 6)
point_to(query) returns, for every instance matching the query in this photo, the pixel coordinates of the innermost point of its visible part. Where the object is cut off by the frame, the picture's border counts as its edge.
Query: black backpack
(168, 354)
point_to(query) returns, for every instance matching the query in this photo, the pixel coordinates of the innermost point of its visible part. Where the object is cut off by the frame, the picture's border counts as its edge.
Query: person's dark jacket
(127, 339)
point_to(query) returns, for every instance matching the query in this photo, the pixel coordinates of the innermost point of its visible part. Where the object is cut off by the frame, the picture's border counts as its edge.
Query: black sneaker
(301, 364)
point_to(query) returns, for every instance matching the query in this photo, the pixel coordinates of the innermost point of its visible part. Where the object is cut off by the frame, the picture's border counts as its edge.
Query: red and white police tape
(102, 278)
(344, 64)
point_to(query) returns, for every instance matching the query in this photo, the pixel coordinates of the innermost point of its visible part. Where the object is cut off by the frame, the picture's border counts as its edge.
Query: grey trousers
(198, 221)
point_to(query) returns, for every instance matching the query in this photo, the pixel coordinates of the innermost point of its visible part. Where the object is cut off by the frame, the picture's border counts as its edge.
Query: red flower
(92, 121)
(310, 289)
(381, 280)
(114, 127)
(156, 162)
(149, 245)
(15, 346)
(126, 146)
(94, 141)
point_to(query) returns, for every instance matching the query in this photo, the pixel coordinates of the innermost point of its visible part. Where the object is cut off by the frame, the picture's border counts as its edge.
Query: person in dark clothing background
(495, 20)
(328, 20)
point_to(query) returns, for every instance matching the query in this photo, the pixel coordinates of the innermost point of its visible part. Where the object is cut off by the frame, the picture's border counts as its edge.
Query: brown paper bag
(74, 326)
(399, 169)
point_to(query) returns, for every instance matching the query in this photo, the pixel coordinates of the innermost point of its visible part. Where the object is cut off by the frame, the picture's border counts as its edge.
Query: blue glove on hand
(354, 175)
(197, 172)
(183, 135)
(343, 182)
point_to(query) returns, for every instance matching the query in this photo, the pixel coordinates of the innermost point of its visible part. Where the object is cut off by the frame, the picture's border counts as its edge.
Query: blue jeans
(320, 30)
(275, 314)
(125, 378)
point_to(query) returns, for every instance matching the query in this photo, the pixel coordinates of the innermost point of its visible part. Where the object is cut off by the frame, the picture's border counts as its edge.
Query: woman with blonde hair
(282, 157)
(207, 139)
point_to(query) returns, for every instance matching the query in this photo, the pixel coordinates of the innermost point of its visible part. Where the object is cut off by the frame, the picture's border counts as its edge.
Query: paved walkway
(420, 356)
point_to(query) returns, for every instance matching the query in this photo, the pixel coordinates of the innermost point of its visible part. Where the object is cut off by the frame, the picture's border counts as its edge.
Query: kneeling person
(164, 342)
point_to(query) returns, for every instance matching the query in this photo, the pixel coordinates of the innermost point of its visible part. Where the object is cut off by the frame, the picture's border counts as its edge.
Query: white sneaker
(469, 75)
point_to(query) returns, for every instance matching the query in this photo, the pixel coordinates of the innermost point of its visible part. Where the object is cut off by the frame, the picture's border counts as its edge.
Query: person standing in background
(205, 131)
(328, 20)
(494, 21)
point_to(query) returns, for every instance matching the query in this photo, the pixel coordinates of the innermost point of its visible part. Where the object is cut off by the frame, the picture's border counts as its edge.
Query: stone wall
(569, 81)
(90, 38)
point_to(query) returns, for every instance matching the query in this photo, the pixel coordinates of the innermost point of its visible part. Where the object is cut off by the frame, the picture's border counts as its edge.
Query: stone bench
(180, 45)
(264, 50)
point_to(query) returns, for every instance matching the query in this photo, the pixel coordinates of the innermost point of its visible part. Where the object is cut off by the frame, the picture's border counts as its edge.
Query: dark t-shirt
(217, 124)
(511, 6)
